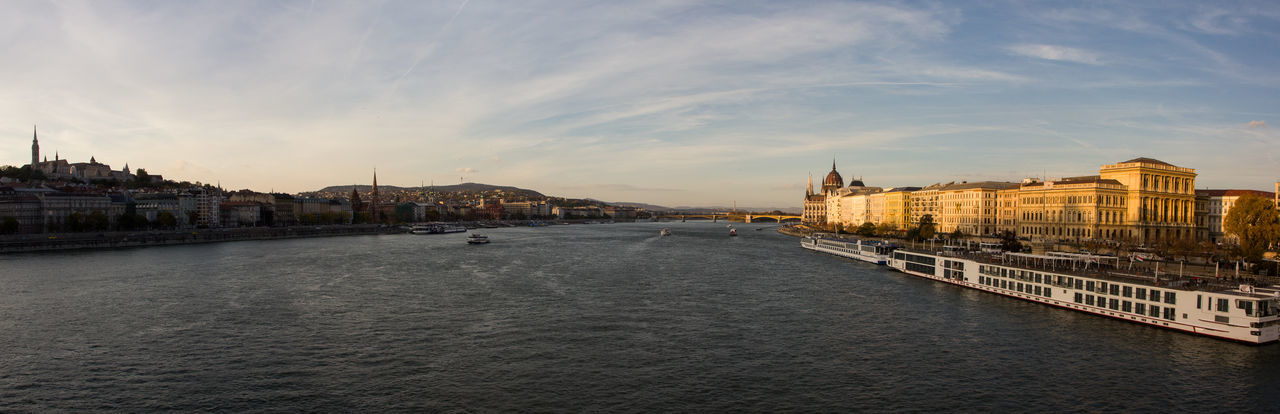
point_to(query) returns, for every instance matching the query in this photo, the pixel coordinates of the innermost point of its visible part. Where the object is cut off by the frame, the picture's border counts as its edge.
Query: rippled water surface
(571, 318)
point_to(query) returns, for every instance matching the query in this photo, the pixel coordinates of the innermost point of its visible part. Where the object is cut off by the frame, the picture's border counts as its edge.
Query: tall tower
(35, 148)
(808, 189)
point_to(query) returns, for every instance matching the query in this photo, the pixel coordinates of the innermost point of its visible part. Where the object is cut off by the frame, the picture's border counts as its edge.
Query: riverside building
(1142, 200)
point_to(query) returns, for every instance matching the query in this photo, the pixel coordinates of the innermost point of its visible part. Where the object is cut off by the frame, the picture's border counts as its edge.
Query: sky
(676, 103)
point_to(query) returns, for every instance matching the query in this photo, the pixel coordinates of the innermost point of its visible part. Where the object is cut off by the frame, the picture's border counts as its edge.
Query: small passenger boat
(665, 232)
(477, 239)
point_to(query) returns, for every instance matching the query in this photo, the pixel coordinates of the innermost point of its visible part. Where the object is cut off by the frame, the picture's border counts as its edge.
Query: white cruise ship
(1236, 312)
(867, 251)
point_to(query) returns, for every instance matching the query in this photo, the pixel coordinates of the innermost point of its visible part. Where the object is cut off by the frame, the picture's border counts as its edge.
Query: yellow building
(1160, 199)
(897, 207)
(1074, 208)
(969, 207)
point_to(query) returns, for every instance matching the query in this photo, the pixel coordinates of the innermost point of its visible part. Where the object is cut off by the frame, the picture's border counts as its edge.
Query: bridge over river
(742, 217)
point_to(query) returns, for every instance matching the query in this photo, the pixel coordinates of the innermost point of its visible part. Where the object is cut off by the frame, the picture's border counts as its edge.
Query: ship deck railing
(1117, 271)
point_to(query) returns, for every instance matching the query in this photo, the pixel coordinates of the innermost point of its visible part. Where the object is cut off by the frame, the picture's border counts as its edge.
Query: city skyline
(662, 103)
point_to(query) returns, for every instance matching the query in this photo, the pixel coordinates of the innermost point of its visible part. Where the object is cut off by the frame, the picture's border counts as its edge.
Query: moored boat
(1097, 285)
(1088, 283)
(864, 250)
(436, 229)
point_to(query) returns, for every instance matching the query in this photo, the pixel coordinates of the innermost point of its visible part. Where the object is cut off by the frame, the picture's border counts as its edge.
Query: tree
(9, 225)
(75, 221)
(867, 229)
(886, 229)
(166, 220)
(926, 227)
(1009, 241)
(1253, 220)
(97, 221)
(957, 234)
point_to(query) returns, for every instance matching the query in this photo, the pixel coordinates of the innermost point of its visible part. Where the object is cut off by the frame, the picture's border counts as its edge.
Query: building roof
(833, 178)
(1089, 179)
(899, 189)
(1147, 160)
(1235, 193)
(998, 185)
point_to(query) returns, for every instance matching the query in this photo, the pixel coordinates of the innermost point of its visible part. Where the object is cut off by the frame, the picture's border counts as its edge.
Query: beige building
(875, 207)
(969, 207)
(924, 202)
(1007, 209)
(1160, 203)
(1074, 208)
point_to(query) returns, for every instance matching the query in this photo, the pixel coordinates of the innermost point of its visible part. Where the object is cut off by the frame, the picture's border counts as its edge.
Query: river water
(571, 318)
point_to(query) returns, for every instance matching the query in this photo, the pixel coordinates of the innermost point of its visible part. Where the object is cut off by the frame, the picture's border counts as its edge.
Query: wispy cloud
(1060, 53)
(729, 102)
(1256, 124)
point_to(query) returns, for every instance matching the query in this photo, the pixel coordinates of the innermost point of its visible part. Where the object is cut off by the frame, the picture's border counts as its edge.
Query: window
(1141, 294)
(1048, 293)
(1037, 291)
(1088, 300)
(1170, 298)
(1247, 305)
(1114, 304)
(1102, 287)
(1168, 314)
(1199, 299)
(1088, 286)
(1155, 295)
(1115, 289)
(1222, 305)
(1079, 298)
(1128, 291)
(1079, 284)
(1126, 306)
(1155, 311)
(1140, 308)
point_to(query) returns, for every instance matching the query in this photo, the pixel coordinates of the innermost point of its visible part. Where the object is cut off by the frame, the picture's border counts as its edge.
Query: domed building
(833, 181)
(815, 204)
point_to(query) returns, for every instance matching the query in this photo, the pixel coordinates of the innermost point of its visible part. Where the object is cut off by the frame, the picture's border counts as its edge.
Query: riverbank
(21, 243)
(108, 240)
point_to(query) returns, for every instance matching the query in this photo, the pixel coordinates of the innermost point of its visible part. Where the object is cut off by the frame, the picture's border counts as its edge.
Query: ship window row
(915, 258)
(1020, 287)
(916, 267)
(1154, 311)
(1099, 287)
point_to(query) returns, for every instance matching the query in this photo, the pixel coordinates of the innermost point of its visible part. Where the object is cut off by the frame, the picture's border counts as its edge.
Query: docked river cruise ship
(1100, 285)
(867, 251)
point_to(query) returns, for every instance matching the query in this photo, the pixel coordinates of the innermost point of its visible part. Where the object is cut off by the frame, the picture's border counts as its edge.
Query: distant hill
(456, 188)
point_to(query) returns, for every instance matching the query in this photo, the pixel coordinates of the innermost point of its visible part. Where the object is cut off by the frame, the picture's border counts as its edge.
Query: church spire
(808, 189)
(35, 147)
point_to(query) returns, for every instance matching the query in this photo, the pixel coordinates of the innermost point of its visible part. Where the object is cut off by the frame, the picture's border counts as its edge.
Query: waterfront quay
(117, 239)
